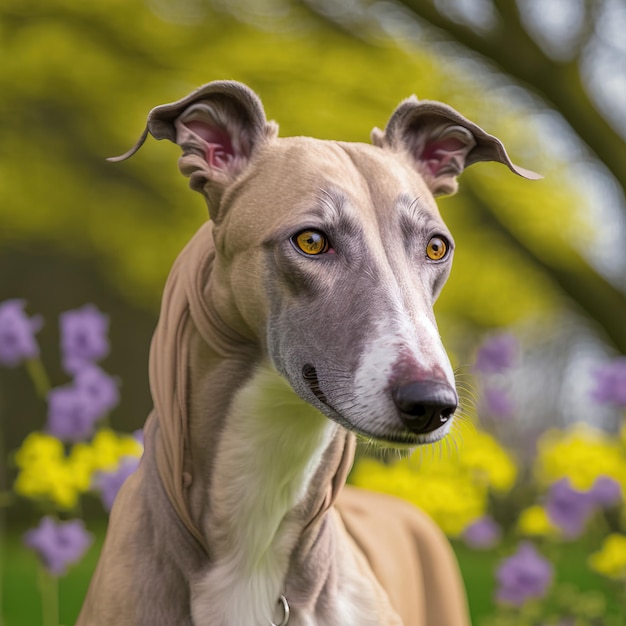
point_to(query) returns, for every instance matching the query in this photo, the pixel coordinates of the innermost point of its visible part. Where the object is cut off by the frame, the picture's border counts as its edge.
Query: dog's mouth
(395, 438)
(309, 373)
(400, 439)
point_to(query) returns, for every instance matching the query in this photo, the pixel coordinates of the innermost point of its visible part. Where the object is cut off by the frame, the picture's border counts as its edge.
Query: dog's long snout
(425, 405)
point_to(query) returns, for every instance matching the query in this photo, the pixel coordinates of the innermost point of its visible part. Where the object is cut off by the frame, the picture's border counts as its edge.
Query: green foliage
(79, 79)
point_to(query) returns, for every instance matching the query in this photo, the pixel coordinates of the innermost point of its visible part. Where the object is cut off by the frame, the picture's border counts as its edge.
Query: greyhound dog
(299, 316)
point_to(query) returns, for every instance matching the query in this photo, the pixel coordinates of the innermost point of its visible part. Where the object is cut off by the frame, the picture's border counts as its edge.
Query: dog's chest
(270, 449)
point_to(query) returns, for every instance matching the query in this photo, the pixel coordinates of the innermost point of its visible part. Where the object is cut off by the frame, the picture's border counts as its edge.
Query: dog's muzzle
(424, 406)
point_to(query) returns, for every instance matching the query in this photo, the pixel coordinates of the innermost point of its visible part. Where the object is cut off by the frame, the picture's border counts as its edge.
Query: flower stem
(38, 375)
(49, 591)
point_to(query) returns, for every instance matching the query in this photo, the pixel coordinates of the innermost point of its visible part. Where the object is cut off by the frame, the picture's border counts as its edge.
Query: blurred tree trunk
(598, 299)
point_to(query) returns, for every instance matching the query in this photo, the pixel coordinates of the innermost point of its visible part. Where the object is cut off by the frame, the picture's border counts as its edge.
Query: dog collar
(285, 607)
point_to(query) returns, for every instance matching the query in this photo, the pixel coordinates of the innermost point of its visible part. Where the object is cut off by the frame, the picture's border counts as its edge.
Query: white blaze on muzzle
(400, 353)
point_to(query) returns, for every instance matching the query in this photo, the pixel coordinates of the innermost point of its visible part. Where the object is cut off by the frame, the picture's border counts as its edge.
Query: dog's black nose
(425, 405)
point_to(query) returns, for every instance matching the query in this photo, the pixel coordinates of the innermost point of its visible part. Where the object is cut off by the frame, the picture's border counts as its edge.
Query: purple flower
(610, 382)
(568, 508)
(497, 354)
(523, 576)
(83, 337)
(111, 482)
(73, 410)
(17, 341)
(498, 403)
(482, 534)
(58, 544)
(606, 492)
(70, 413)
(100, 388)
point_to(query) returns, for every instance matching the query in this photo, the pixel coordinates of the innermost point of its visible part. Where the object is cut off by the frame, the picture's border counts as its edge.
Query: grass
(571, 569)
(21, 604)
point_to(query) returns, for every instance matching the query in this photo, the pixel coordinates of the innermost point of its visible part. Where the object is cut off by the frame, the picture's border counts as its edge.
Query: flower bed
(542, 543)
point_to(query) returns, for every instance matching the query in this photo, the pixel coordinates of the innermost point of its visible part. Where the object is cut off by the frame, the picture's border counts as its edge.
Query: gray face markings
(346, 324)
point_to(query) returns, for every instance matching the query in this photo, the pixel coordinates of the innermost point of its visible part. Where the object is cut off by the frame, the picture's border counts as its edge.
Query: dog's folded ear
(441, 142)
(218, 126)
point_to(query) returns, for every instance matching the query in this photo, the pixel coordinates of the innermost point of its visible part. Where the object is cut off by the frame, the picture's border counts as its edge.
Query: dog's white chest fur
(272, 445)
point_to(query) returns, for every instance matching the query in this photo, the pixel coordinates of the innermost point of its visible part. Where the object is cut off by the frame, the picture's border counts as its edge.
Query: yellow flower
(488, 460)
(610, 560)
(81, 462)
(63, 488)
(38, 447)
(30, 484)
(47, 473)
(581, 453)
(104, 449)
(48, 478)
(108, 448)
(453, 504)
(454, 488)
(534, 521)
(128, 446)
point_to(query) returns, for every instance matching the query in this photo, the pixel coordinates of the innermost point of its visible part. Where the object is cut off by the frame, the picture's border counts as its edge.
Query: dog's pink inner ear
(436, 155)
(441, 151)
(218, 147)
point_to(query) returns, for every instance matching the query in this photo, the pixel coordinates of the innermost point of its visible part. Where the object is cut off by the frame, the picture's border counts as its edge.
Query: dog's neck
(264, 468)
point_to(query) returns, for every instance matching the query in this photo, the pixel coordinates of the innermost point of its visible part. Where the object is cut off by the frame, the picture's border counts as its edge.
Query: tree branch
(510, 47)
(600, 300)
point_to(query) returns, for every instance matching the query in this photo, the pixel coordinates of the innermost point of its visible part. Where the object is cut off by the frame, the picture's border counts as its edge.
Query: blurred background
(540, 266)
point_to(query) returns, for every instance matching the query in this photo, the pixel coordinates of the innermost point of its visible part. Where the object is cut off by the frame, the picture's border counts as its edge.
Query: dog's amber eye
(311, 242)
(437, 248)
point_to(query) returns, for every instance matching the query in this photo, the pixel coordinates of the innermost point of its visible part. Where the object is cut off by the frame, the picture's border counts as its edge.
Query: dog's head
(330, 255)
